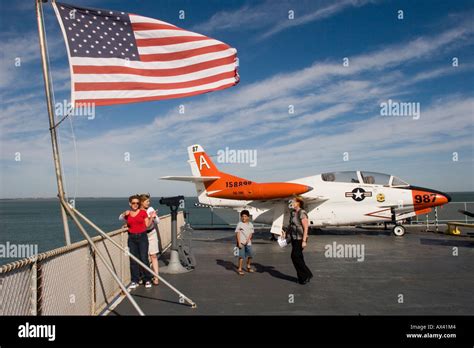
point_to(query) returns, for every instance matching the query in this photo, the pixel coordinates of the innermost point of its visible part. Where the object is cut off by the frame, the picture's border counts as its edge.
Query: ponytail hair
(300, 200)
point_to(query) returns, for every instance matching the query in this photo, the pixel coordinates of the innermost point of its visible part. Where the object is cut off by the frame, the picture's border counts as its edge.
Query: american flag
(117, 58)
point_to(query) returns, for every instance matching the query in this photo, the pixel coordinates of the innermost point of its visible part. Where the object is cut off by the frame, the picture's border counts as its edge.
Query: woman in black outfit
(298, 230)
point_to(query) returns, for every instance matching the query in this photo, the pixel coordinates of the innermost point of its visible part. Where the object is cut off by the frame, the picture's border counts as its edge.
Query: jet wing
(191, 178)
(280, 214)
(261, 204)
(281, 211)
(316, 199)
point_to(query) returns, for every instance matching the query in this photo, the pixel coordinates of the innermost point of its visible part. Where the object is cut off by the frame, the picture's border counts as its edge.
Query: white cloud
(249, 17)
(319, 13)
(256, 115)
(239, 103)
(272, 17)
(24, 50)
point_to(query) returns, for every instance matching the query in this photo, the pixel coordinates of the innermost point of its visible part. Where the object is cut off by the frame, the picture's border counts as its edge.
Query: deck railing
(71, 280)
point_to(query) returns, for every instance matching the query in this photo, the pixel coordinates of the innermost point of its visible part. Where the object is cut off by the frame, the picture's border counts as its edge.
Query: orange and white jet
(332, 199)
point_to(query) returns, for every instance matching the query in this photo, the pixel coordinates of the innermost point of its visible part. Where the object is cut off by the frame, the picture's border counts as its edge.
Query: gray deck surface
(420, 266)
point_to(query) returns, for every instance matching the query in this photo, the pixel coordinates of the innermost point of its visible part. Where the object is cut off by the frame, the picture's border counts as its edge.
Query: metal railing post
(465, 209)
(122, 266)
(1, 289)
(91, 259)
(34, 287)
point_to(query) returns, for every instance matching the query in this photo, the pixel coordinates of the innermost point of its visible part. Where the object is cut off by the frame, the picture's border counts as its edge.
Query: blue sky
(282, 62)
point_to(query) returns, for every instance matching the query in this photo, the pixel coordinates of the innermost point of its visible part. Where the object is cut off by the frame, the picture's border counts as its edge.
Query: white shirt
(245, 231)
(151, 210)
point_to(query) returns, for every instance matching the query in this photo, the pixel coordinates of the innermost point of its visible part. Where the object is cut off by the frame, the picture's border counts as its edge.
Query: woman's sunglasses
(133, 203)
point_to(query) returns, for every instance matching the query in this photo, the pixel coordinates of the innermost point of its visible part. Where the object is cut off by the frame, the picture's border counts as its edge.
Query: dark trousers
(138, 246)
(302, 270)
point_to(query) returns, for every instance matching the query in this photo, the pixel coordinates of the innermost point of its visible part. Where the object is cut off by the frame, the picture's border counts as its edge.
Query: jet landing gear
(398, 230)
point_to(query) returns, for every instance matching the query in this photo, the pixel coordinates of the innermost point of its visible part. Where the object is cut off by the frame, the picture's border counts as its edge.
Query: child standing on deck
(243, 234)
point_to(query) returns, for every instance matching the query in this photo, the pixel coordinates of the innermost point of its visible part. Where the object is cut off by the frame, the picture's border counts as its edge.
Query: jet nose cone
(441, 198)
(428, 197)
(446, 198)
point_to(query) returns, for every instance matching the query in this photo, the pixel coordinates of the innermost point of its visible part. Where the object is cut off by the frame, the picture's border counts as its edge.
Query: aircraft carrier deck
(412, 275)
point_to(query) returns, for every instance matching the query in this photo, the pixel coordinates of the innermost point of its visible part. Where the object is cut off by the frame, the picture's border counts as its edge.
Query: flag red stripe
(164, 57)
(173, 40)
(112, 101)
(110, 86)
(153, 26)
(94, 69)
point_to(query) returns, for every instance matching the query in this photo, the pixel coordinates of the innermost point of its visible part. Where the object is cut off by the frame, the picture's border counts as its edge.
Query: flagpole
(52, 125)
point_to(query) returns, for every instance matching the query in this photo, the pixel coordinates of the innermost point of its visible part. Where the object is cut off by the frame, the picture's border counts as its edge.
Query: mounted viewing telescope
(172, 201)
(174, 266)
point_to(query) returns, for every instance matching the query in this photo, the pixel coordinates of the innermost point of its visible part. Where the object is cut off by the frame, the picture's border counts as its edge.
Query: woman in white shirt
(152, 233)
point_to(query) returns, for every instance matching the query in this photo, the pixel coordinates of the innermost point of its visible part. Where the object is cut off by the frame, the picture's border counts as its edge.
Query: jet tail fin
(205, 175)
(201, 164)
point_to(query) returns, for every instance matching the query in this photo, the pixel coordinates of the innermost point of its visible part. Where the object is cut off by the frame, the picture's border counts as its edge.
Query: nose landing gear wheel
(398, 230)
